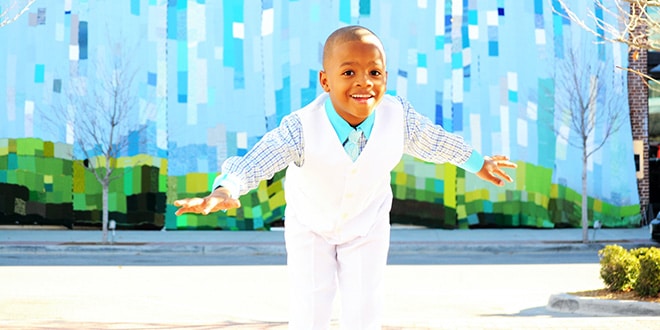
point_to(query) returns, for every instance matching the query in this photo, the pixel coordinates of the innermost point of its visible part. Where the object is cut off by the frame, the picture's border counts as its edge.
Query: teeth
(359, 96)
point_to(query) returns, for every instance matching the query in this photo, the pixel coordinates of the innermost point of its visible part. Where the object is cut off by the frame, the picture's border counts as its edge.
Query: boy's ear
(323, 80)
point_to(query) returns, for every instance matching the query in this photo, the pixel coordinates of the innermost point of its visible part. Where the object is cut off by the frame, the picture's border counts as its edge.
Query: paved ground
(253, 297)
(250, 297)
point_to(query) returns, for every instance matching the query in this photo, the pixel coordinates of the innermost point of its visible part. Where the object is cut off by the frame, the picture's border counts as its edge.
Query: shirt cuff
(474, 163)
(231, 182)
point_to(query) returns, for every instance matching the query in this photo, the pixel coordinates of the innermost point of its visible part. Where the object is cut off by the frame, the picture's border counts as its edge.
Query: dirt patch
(618, 295)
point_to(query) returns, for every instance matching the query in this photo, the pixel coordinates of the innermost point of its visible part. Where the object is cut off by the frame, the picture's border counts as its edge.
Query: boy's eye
(375, 73)
(348, 73)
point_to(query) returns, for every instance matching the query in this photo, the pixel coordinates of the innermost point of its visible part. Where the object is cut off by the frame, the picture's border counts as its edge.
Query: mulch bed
(617, 295)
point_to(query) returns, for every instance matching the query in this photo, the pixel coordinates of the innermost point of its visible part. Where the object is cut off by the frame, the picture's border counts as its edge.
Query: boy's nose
(364, 80)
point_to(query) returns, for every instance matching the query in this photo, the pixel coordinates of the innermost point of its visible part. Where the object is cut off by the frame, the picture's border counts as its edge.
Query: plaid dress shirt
(285, 144)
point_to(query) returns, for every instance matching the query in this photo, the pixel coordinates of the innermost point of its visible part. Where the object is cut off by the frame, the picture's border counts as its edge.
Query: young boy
(340, 150)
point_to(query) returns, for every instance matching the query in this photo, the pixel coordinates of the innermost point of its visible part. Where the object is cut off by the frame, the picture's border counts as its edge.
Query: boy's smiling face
(354, 75)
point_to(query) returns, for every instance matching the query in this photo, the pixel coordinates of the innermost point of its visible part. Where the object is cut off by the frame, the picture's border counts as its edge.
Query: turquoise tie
(352, 144)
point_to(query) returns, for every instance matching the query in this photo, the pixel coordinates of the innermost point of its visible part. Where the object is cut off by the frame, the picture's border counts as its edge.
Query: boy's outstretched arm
(219, 199)
(491, 170)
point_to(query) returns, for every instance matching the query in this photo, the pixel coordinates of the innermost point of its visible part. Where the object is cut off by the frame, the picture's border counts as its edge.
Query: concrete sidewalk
(403, 240)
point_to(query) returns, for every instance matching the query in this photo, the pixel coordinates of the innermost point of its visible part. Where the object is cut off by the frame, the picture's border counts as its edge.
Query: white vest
(330, 194)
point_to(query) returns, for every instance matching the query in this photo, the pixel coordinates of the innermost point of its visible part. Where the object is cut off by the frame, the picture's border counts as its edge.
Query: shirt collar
(342, 127)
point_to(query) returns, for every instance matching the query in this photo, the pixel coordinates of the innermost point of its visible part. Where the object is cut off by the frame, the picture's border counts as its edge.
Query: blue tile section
(215, 75)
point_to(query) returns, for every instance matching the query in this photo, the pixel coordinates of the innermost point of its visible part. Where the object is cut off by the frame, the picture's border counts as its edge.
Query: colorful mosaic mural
(215, 75)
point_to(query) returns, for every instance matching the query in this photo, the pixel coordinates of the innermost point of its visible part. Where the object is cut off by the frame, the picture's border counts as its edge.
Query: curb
(507, 247)
(567, 303)
(278, 248)
(145, 248)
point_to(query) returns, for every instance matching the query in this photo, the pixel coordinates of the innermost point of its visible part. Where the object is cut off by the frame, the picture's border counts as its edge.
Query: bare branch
(579, 85)
(646, 79)
(14, 11)
(101, 109)
(638, 24)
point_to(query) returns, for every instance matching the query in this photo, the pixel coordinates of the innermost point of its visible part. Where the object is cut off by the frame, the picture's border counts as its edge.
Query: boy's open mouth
(361, 97)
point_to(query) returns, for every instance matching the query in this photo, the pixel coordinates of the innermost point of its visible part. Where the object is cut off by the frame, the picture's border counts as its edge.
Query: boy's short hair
(349, 33)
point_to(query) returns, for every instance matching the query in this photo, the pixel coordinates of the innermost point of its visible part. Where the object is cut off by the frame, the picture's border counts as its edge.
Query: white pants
(316, 267)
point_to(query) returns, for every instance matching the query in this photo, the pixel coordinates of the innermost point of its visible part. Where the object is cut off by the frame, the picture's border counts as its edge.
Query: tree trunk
(585, 214)
(104, 224)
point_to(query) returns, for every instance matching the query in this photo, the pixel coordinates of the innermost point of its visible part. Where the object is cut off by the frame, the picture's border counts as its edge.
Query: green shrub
(618, 268)
(639, 252)
(648, 281)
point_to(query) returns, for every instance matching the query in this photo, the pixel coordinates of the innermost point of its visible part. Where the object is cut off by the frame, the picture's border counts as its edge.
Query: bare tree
(635, 24)
(588, 111)
(100, 112)
(13, 11)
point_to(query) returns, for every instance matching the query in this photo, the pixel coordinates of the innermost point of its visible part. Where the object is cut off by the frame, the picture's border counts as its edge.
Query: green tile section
(58, 186)
(433, 195)
(260, 207)
(531, 201)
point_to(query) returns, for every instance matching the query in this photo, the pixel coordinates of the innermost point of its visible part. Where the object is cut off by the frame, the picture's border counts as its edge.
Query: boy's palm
(491, 171)
(218, 200)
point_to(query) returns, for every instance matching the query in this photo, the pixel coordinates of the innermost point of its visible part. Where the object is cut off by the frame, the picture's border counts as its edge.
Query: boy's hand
(219, 199)
(492, 168)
